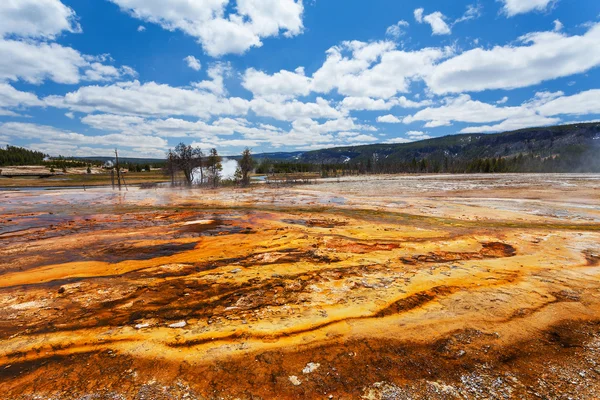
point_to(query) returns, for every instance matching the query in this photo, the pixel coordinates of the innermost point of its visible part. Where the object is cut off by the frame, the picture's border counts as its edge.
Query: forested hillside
(12, 155)
(567, 148)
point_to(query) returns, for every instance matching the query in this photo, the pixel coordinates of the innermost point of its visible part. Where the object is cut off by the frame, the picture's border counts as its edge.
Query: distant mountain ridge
(124, 160)
(539, 142)
(132, 160)
(579, 142)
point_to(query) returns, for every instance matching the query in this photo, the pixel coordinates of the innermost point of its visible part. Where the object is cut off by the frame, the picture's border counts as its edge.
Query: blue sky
(81, 77)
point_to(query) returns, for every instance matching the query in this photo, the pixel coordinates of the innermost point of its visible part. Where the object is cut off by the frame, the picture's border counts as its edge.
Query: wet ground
(382, 288)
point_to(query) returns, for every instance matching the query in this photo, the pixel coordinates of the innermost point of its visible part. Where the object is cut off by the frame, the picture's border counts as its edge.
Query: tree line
(523, 163)
(61, 163)
(135, 167)
(12, 155)
(18, 156)
(201, 169)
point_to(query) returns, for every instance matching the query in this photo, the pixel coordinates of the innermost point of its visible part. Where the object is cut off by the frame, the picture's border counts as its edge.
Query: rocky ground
(463, 287)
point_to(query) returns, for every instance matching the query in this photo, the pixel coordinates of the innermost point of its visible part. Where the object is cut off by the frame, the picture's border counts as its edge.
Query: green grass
(73, 180)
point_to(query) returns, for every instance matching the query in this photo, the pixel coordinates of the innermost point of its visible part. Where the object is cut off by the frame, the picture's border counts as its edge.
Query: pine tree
(246, 164)
(214, 167)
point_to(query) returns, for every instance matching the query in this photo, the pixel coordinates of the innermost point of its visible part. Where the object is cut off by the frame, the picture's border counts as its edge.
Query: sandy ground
(40, 169)
(427, 287)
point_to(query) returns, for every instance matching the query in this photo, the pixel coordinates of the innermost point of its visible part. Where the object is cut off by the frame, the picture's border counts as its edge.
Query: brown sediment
(202, 300)
(489, 250)
(465, 363)
(592, 257)
(321, 223)
(415, 300)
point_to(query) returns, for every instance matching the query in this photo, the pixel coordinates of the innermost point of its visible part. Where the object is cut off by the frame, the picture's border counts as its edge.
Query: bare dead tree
(170, 166)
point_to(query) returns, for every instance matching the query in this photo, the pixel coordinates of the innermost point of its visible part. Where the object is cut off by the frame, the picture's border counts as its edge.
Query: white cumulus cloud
(13, 99)
(375, 69)
(148, 99)
(35, 62)
(558, 26)
(514, 7)
(54, 140)
(193, 63)
(397, 30)
(418, 13)
(545, 108)
(587, 102)
(280, 85)
(438, 23)
(217, 73)
(389, 119)
(539, 57)
(217, 31)
(473, 12)
(36, 18)
(436, 20)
